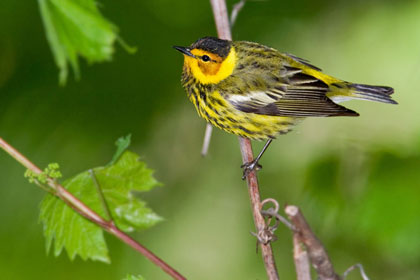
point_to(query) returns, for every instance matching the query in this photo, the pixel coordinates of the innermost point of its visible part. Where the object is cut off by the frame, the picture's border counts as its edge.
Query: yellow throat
(212, 72)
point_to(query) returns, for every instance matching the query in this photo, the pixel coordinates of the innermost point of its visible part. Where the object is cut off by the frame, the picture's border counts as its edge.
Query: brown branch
(254, 193)
(317, 253)
(89, 214)
(221, 19)
(223, 30)
(300, 257)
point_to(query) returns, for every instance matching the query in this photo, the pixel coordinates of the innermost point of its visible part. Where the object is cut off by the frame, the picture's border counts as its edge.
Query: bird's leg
(254, 165)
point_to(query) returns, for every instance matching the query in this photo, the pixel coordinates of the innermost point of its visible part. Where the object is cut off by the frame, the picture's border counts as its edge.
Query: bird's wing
(303, 61)
(293, 93)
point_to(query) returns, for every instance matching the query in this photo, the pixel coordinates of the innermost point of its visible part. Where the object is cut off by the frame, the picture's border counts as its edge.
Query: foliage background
(356, 179)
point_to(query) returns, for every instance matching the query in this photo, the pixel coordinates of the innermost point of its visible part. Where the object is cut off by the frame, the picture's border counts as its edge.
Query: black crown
(213, 45)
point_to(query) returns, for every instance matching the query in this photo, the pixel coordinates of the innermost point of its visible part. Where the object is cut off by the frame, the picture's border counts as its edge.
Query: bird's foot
(249, 167)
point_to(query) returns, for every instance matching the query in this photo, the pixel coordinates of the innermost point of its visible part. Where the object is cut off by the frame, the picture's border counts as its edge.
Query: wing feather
(295, 94)
(303, 61)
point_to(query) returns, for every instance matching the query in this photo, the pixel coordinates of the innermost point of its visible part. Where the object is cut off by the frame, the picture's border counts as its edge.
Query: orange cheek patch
(209, 68)
(210, 72)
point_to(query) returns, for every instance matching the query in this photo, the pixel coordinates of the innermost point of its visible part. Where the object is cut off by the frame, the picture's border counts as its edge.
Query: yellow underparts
(220, 113)
(211, 72)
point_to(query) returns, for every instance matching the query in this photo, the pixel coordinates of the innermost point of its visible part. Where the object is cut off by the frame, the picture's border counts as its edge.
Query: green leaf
(117, 181)
(70, 230)
(132, 277)
(76, 28)
(122, 144)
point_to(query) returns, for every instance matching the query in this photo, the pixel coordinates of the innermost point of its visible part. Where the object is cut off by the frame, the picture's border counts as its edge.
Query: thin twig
(273, 201)
(235, 11)
(223, 35)
(254, 193)
(274, 213)
(221, 19)
(89, 214)
(101, 195)
(353, 267)
(223, 30)
(317, 253)
(206, 141)
(267, 235)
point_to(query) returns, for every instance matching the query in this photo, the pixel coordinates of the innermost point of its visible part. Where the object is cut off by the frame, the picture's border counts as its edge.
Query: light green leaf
(117, 182)
(122, 144)
(76, 28)
(79, 236)
(132, 277)
(70, 230)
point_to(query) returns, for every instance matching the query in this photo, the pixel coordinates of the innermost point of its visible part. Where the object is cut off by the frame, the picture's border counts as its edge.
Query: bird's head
(209, 60)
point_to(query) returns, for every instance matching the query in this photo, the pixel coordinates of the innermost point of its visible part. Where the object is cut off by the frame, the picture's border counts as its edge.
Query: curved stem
(89, 214)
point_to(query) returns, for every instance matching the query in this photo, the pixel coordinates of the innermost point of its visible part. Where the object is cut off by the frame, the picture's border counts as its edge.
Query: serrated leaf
(79, 236)
(117, 181)
(132, 277)
(77, 28)
(70, 230)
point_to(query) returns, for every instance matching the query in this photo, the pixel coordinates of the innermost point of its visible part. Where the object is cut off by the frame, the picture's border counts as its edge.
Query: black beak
(184, 50)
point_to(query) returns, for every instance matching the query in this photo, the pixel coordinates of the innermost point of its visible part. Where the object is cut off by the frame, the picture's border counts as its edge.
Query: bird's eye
(205, 58)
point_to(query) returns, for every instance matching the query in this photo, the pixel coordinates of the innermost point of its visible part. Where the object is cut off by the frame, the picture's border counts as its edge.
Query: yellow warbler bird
(257, 92)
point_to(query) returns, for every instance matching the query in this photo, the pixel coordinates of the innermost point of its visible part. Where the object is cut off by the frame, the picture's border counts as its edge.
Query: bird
(257, 92)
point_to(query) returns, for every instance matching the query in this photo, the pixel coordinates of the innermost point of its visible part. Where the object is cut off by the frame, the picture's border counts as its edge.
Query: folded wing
(292, 93)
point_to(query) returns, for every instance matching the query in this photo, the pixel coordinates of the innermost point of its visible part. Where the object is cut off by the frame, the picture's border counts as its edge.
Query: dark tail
(373, 93)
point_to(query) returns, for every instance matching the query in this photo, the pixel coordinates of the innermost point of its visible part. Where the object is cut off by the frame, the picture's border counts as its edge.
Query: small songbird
(257, 92)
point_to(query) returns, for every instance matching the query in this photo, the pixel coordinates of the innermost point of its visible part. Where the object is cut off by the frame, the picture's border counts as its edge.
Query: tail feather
(373, 93)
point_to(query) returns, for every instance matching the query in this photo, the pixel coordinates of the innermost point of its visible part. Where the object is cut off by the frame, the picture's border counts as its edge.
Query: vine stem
(224, 32)
(89, 214)
(254, 194)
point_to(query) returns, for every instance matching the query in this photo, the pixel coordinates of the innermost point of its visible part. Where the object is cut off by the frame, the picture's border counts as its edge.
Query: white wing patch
(255, 97)
(339, 99)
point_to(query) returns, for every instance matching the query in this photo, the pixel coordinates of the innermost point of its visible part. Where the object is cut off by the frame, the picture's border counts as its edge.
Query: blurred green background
(357, 180)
